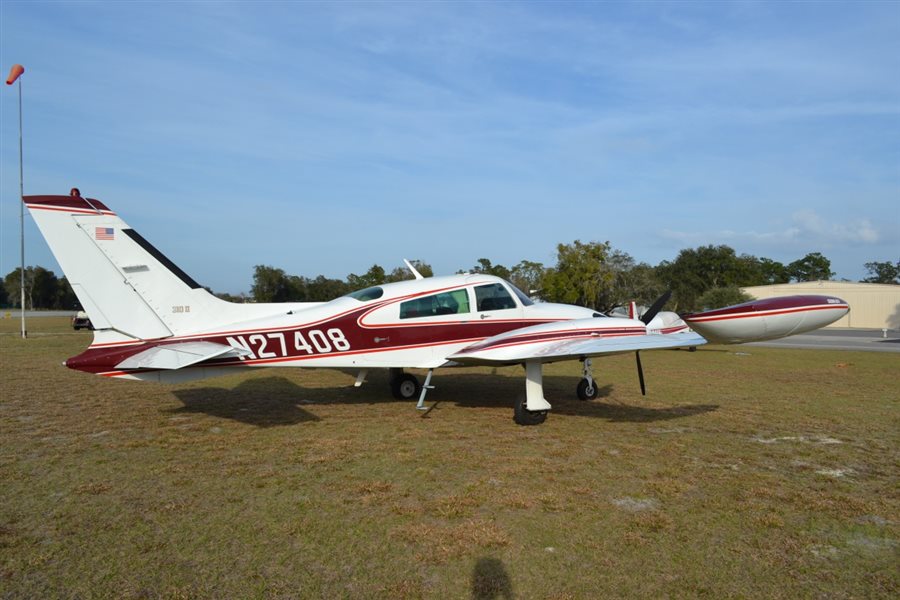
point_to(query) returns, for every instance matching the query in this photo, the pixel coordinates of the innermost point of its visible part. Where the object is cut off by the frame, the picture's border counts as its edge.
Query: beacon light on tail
(153, 322)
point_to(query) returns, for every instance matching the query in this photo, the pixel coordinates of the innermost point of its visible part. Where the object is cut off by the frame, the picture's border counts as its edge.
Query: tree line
(592, 274)
(596, 275)
(43, 289)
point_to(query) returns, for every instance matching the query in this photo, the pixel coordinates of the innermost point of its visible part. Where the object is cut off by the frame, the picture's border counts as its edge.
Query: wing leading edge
(572, 340)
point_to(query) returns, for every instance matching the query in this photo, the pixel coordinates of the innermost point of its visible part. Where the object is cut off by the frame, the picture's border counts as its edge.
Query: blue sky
(324, 137)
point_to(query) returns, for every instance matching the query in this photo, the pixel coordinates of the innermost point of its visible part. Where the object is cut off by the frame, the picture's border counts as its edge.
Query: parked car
(81, 321)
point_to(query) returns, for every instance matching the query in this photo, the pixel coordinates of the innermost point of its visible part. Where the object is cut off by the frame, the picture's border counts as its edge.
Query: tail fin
(124, 283)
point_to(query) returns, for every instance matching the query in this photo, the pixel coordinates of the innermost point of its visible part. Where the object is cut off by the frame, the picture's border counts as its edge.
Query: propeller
(645, 319)
(637, 355)
(656, 307)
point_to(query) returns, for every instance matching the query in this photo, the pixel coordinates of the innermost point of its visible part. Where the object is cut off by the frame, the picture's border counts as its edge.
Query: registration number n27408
(281, 344)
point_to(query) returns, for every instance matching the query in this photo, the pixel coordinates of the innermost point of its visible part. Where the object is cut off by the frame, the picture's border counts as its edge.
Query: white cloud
(811, 225)
(807, 227)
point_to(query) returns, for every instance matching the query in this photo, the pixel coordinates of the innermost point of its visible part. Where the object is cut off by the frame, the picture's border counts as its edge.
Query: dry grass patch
(441, 542)
(773, 474)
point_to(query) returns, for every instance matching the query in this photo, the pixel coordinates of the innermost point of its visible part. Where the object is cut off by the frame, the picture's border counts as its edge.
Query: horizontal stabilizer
(179, 355)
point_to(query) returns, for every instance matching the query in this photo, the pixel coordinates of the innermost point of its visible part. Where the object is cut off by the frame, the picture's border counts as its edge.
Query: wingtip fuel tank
(767, 319)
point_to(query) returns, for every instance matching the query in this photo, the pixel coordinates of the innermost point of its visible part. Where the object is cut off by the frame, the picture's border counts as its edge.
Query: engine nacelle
(767, 319)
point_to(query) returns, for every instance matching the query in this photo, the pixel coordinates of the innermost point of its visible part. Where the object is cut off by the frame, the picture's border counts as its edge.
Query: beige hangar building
(872, 305)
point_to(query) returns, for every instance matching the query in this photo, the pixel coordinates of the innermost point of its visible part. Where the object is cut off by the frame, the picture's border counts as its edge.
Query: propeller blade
(657, 306)
(637, 355)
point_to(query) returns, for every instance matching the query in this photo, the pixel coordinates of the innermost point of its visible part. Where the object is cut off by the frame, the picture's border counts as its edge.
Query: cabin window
(445, 303)
(493, 296)
(370, 293)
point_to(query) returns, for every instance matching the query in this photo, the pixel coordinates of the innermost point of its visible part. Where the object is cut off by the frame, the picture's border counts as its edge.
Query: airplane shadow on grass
(277, 400)
(262, 402)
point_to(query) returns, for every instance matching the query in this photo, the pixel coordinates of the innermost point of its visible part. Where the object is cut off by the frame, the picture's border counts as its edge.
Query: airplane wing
(179, 355)
(571, 340)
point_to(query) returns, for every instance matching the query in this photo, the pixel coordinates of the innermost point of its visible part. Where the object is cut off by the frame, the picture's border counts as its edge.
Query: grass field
(744, 473)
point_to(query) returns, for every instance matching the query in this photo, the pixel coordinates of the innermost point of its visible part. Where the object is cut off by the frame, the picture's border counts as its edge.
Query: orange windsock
(14, 74)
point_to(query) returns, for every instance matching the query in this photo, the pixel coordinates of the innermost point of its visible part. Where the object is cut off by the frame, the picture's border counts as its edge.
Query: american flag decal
(104, 233)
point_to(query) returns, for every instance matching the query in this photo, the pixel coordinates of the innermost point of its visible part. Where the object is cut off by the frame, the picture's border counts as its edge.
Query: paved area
(15, 313)
(872, 340)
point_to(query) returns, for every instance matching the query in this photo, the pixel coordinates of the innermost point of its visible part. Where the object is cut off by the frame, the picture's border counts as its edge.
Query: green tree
(883, 272)
(641, 284)
(241, 298)
(484, 266)
(40, 287)
(44, 288)
(374, 276)
(528, 276)
(696, 270)
(13, 284)
(812, 267)
(773, 272)
(323, 289)
(271, 285)
(722, 296)
(65, 296)
(585, 274)
(403, 273)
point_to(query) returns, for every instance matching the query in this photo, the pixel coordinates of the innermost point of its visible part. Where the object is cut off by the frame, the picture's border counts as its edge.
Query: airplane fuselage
(155, 323)
(410, 324)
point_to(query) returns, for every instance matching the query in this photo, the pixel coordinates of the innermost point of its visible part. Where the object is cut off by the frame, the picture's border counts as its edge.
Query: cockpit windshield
(370, 293)
(522, 296)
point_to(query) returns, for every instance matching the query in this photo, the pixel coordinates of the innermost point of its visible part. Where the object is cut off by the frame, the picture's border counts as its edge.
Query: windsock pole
(14, 74)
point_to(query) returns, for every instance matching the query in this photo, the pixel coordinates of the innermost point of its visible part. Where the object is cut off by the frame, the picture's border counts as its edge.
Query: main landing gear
(523, 416)
(533, 409)
(404, 386)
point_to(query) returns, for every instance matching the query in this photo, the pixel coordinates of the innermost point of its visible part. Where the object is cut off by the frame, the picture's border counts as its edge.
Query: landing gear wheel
(586, 391)
(523, 416)
(405, 387)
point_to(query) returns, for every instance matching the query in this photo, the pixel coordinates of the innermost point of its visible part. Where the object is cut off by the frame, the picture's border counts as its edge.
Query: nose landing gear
(587, 388)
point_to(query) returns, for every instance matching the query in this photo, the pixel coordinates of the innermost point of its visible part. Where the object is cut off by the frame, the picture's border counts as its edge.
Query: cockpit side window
(446, 303)
(493, 296)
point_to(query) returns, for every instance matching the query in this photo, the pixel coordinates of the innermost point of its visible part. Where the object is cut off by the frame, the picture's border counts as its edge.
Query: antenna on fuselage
(415, 273)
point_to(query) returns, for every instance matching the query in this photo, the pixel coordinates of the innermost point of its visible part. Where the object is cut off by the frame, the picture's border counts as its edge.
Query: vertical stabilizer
(123, 282)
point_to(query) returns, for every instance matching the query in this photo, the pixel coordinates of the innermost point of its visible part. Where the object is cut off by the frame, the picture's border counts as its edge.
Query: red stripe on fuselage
(360, 340)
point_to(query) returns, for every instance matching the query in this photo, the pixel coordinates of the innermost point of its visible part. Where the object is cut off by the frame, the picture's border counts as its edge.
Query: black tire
(585, 391)
(405, 387)
(523, 416)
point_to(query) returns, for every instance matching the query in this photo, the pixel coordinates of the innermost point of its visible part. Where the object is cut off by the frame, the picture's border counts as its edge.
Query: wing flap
(178, 356)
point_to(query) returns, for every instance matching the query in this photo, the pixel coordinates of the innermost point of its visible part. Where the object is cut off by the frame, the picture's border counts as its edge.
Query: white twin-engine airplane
(153, 322)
